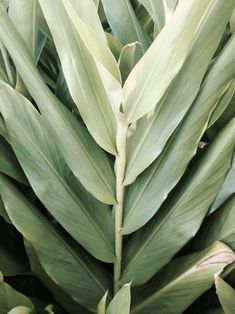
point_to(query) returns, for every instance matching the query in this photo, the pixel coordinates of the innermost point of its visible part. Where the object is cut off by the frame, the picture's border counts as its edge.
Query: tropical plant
(117, 169)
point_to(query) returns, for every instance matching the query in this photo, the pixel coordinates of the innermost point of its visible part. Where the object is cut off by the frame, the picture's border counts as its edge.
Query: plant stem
(120, 165)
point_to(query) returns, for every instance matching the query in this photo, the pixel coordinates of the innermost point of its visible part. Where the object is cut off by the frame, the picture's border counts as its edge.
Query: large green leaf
(87, 161)
(163, 60)
(227, 189)
(152, 132)
(21, 310)
(92, 86)
(74, 271)
(181, 215)
(226, 295)
(47, 176)
(124, 24)
(182, 281)
(166, 171)
(59, 294)
(219, 226)
(121, 301)
(9, 163)
(10, 298)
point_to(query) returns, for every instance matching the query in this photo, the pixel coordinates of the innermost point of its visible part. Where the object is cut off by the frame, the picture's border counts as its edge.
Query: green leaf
(129, 29)
(127, 59)
(180, 149)
(114, 45)
(153, 246)
(59, 294)
(219, 226)
(87, 161)
(226, 295)
(47, 176)
(227, 188)
(152, 133)
(9, 163)
(223, 104)
(75, 272)
(182, 281)
(156, 10)
(121, 301)
(10, 298)
(92, 84)
(164, 59)
(25, 15)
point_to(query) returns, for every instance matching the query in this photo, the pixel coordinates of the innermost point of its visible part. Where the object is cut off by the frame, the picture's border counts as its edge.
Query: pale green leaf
(121, 301)
(182, 281)
(226, 295)
(93, 88)
(20, 310)
(102, 304)
(152, 133)
(126, 61)
(115, 45)
(87, 161)
(156, 10)
(227, 189)
(223, 104)
(166, 171)
(47, 176)
(10, 298)
(163, 60)
(181, 215)
(87, 11)
(74, 271)
(124, 24)
(219, 226)
(232, 22)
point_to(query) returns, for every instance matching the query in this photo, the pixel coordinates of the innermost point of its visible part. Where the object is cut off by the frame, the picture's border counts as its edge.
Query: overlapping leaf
(152, 133)
(87, 161)
(47, 176)
(182, 281)
(74, 271)
(181, 215)
(226, 295)
(148, 192)
(162, 61)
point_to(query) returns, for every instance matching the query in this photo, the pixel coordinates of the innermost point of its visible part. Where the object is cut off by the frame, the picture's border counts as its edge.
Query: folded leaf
(182, 281)
(163, 60)
(89, 163)
(226, 295)
(181, 216)
(166, 171)
(74, 271)
(47, 176)
(152, 133)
